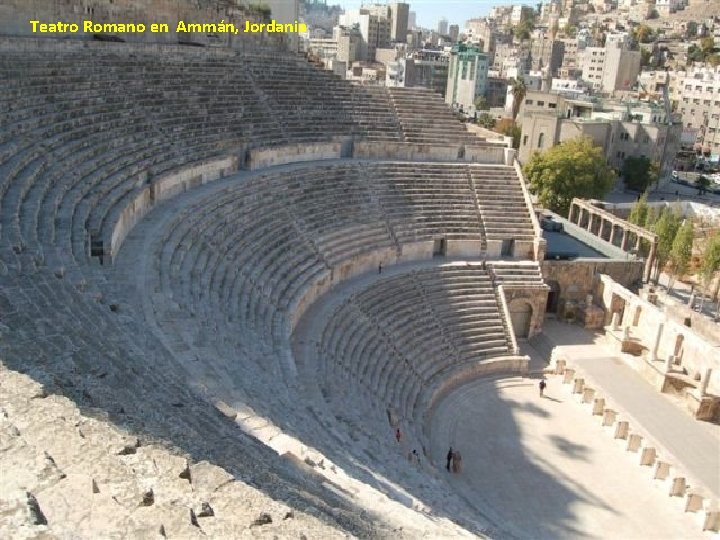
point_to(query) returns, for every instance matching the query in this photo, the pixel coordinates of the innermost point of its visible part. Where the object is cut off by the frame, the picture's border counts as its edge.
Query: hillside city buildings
(630, 60)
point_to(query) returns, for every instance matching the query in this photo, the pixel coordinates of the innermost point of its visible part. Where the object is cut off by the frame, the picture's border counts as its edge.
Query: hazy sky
(429, 12)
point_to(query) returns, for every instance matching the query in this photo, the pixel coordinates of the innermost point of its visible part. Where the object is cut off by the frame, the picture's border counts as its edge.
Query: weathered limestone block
(693, 501)
(677, 487)
(634, 442)
(598, 406)
(662, 470)
(208, 477)
(648, 455)
(609, 417)
(622, 428)
(588, 395)
(568, 376)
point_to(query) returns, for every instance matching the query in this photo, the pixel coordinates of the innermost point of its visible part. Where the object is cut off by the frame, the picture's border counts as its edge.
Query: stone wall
(517, 297)
(259, 158)
(494, 154)
(574, 280)
(655, 331)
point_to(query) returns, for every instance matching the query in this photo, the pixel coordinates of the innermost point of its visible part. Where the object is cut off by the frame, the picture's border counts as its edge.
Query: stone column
(650, 262)
(615, 323)
(656, 343)
(625, 239)
(590, 221)
(669, 363)
(705, 381)
(612, 233)
(572, 213)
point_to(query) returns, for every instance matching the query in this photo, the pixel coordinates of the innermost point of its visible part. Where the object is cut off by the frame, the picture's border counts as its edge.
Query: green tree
(481, 103)
(665, 228)
(710, 263)
(486, 121)
(651, 218)
(510, 129)
(574, 168)
(523, 29)
(639, 211)
(702, 184)
(707, 46)
(518, 91)
(643, 33)
(645, 58)
(637, 173)
(681, 250)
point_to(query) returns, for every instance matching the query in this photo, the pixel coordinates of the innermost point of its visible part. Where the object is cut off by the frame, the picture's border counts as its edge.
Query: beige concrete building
(699, 103)
(610, 68)
(622, 129)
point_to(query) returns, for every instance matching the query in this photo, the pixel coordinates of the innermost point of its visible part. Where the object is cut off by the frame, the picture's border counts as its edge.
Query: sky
(429, 12)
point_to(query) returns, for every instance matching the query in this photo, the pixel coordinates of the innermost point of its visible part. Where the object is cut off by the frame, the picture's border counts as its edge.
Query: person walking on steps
(542, 386)
(380, 268)
(450, 455)
(457, 462)
(398, 435)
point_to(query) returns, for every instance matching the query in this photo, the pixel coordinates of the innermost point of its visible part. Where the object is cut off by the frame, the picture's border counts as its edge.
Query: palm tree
(518, 92)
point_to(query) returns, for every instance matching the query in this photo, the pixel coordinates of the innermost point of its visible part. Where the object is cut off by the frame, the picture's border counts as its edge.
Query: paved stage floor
(542, 468)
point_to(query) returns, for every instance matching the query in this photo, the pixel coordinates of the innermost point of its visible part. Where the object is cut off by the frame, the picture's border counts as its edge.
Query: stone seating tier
(395, 336)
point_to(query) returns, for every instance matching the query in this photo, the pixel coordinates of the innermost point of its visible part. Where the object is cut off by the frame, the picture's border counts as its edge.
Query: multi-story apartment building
(610, 68)
(467, 76)
(621, 128)
(546, 54)
(699, 103)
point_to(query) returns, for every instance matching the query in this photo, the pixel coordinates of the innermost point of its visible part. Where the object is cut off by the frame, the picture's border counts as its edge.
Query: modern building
(374, 29)
(453, 32)
(699, 104)
(412, 20)
(622, 128)
(610, 68)
(442, 27)
(467, 76)
(520, 13)
(546, 54)
(399, 21)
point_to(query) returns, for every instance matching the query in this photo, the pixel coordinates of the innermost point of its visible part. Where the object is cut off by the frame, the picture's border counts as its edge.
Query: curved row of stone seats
(516, 273)
(426, 201)
(505, 211)
(426, 119)
(277, 233)
(395, 336)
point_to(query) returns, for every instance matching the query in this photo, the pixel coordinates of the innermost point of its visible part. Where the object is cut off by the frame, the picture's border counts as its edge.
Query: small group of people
(454, 461)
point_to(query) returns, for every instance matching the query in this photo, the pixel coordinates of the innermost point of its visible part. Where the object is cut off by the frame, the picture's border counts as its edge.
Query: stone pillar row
(671, 478)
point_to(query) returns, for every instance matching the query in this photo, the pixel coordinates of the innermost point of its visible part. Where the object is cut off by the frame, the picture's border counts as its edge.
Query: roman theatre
(228, 278)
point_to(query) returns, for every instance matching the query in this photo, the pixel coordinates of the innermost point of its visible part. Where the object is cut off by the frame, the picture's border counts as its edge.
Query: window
(698, 88)
(696, 102)
(525, 140)
(552, 105)
(706, 102)
(528, 102)
(688, 87)
(540, 103)
(541, 140)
